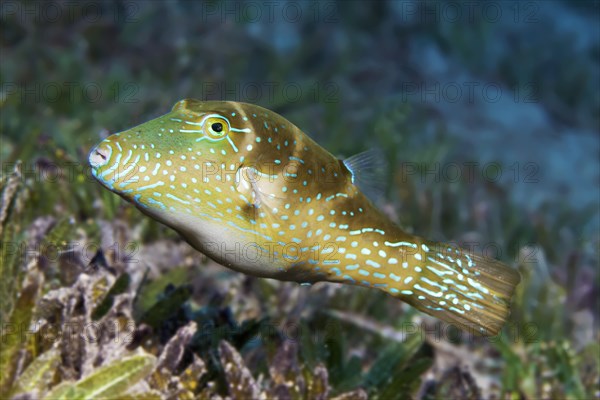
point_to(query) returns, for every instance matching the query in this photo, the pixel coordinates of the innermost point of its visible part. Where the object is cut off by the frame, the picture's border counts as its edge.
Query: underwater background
(488, 114)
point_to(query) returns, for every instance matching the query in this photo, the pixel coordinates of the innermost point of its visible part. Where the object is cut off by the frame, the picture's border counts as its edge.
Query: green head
(195, 148)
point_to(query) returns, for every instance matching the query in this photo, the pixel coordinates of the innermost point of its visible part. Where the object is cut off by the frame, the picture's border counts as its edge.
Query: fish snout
(100, 155)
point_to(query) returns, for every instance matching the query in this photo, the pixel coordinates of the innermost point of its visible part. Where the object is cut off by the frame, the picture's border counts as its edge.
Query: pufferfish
(250, 190)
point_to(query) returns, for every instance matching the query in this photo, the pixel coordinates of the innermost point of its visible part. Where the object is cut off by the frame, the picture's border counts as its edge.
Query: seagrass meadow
(485, 115)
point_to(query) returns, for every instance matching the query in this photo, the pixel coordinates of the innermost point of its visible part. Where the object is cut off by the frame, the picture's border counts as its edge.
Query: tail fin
(461, 288)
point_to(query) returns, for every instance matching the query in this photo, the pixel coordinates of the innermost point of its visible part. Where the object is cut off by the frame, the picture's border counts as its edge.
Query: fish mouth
(108, 168)
(99, 156)
(98, 159)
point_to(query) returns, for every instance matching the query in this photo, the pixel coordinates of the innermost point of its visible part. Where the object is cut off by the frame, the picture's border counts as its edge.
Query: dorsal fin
(368, 170)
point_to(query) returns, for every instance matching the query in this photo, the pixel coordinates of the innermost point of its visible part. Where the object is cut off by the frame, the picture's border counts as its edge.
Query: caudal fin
(461, 288)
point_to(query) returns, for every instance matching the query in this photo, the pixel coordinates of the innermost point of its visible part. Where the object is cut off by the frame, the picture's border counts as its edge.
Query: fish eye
(217, 127)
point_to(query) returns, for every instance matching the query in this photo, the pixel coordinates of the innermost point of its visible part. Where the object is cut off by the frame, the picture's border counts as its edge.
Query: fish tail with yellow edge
(458, 287)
